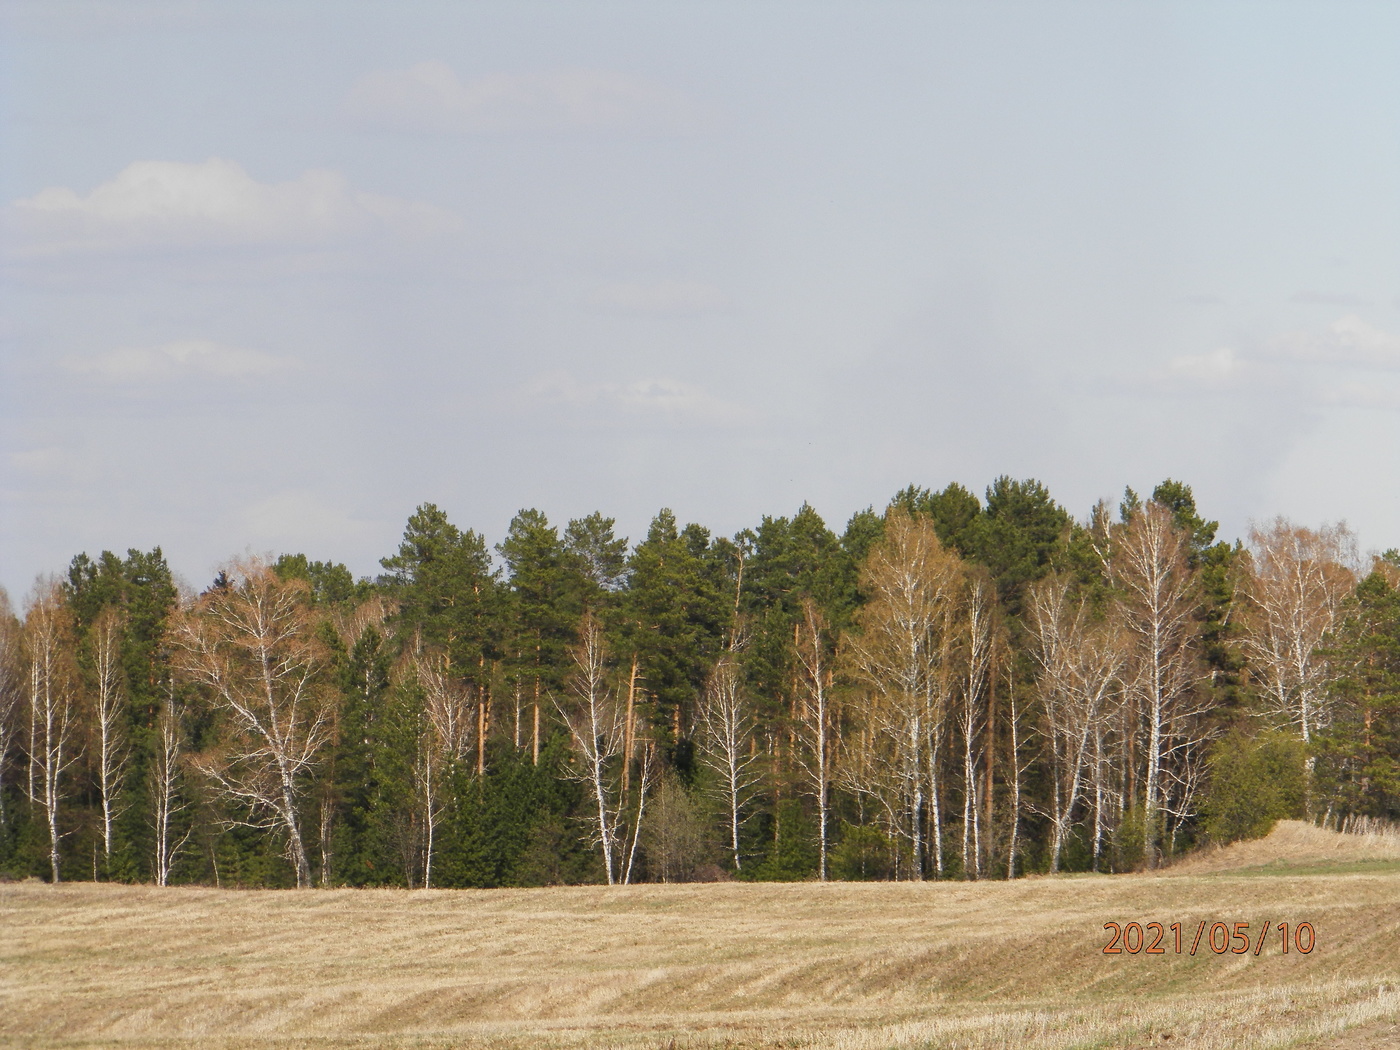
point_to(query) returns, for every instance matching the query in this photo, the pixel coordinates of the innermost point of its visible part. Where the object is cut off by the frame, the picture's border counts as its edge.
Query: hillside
(1295, 846)
(738, 965)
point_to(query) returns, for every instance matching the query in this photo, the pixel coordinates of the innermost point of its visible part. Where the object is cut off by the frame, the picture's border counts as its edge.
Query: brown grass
(1295, 844)
(856, 966)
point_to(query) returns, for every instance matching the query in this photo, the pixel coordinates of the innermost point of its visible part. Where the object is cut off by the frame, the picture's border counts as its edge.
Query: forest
(949, 688)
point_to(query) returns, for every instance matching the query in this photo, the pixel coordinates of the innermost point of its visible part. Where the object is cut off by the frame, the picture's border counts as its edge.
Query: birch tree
(53, 708)
(597, 728)
(816, 718)
(1080, 665)
(899, 654)
(251, 644)
(977, 639)
(109, 718)
(445, 742)
(1294, 595)
(1158, 602)
(165, 794)
(726, 724)
(1015, 715)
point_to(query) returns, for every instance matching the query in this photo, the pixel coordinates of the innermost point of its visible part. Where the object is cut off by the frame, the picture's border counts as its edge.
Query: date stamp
(1221, 938)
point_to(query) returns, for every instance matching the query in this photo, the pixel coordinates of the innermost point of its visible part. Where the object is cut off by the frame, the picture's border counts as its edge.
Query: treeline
(952, 688)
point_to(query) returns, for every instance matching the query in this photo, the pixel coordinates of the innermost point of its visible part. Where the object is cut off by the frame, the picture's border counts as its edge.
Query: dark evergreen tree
(447, 591)
(674, 621)
(1019, 537)
(1358, 764)
(955, 513)
(598, 558)
(545, 602)
(331, 582)
(359, 771)
(141, 588)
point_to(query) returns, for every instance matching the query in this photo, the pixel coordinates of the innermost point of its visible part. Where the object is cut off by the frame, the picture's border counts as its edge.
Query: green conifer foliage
(447, 591)
(674, 620)
(1358, 769)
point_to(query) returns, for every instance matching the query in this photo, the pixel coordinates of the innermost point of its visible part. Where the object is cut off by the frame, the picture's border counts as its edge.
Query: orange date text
(1218, 938)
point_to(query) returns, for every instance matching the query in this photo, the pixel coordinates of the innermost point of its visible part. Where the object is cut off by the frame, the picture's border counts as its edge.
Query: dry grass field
(859, 966)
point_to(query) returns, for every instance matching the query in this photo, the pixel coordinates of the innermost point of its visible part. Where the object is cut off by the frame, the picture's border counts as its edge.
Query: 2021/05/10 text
(1224, 938)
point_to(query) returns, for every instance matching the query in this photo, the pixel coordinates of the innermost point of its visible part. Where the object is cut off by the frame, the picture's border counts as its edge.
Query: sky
(274, 274)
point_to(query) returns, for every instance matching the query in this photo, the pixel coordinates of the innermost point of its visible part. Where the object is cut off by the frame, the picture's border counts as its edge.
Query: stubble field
(720, 965)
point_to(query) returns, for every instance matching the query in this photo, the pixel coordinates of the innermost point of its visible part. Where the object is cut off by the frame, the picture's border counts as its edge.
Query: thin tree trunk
(1015, 786)
(642, 790)
(627, 729)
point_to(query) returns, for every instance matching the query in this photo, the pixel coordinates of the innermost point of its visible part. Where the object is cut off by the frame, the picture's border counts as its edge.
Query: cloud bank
(1308, 366)
(188, 357)
(155, 204)
(1347, 341)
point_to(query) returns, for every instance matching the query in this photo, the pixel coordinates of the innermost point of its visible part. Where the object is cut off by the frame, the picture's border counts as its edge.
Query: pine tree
(673, 620)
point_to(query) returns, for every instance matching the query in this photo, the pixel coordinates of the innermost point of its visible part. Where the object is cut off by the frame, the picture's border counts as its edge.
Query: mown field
(718, 965)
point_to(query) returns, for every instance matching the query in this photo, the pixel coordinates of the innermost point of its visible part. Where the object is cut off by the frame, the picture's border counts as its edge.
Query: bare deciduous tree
(1158, 602)
(1080, 666)
(1293, 597)
(726, 725)
(165, 794)
(110, 718)
(444, 742)
(976, 644)
(53, 706)
(252, 646)
(816, 718)
(1015, 715)
(900, 654)
(597, 726)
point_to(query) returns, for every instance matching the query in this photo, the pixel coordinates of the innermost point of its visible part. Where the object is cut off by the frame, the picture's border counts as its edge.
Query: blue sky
(273, 274)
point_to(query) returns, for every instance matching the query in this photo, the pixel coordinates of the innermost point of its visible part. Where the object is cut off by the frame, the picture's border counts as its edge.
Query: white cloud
(1218, 369)
(188, 357)
(661, 297)
(1301, 368)
(655, 398)
(1347, 341)
(166, 203)
(430, 97)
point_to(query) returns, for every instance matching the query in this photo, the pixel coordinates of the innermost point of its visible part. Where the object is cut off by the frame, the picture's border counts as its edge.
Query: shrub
(1254, 782)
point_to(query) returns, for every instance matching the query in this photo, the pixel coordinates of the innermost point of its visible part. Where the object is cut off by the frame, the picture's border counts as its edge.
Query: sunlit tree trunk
(648, 774)
(977, 643)
(165, 769)
(1013, 726)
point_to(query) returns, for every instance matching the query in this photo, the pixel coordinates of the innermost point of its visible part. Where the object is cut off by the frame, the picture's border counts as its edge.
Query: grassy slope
(842, 965)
